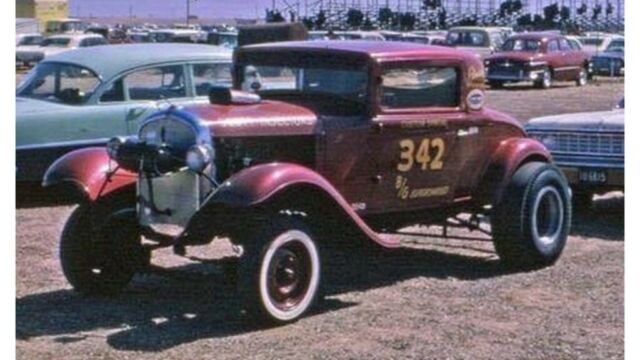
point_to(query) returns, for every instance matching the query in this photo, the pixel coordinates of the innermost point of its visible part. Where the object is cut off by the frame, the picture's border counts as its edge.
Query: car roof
(535, 36)
(74, 36)
(110, 60)
(476, 28)
(374, 49)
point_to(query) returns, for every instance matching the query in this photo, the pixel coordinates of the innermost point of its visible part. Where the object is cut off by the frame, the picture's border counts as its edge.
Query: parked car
(340, 142)
(27, 49)
(481, 41)
(65, 26)
(405, 37)
(225, 39)
(540, 58)
(176, 36)
(611, 61)
(356, 35)
(588, 147)
(84, 97)
(111, 34)
(57, 44)
(597, 42)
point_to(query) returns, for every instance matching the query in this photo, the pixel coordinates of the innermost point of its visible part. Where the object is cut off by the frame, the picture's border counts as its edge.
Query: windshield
(30, 40)
(591, 41)
(467, 38)
(521, 45)
(56, 42)
(347, 84)
(59, 82)
(616, 45)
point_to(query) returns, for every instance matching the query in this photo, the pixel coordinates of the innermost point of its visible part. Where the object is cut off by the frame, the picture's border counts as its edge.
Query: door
(426, 150)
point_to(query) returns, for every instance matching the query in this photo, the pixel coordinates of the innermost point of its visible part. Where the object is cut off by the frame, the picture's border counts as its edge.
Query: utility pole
(188, 11)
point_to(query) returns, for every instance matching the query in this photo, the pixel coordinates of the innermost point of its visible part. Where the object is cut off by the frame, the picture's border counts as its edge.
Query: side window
(99, 41)
(552, 46)
(213, 74)
(420, 87)
(564, 45)
(84, 43)
(575, 45)
(114, 93)
(163, 82)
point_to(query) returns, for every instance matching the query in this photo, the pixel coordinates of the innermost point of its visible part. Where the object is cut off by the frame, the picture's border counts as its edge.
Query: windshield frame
(31, 76)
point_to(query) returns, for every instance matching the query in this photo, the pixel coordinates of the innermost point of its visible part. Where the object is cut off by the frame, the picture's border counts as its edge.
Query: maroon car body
(539, 58)
(351, 136)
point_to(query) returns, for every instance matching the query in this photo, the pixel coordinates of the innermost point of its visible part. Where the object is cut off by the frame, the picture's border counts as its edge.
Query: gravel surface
(432, 299)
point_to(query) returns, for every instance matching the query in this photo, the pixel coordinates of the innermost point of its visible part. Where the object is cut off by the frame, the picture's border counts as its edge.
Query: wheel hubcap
(547, 79)
(289, 275)
(547, 216)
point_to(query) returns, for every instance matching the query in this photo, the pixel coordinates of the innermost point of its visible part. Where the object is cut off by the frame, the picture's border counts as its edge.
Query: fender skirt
(256, 186)
(508, 157)
(88, 170)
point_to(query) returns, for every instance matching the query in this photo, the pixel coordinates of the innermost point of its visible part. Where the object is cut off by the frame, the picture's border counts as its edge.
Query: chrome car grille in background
(581, 142)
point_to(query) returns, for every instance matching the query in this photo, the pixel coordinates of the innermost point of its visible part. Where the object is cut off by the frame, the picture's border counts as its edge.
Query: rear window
(420, 87)
(467, 38)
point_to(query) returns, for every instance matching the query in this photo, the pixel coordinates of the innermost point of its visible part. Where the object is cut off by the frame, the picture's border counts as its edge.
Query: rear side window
(552, 46)
(163, 82)
(208, 75)
(420, 87)
(564, 45)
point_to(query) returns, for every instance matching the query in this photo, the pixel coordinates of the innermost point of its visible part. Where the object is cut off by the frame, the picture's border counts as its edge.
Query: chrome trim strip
(71, 143)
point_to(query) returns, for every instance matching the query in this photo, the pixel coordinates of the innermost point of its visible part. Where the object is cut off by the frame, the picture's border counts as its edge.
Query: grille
(584, 143)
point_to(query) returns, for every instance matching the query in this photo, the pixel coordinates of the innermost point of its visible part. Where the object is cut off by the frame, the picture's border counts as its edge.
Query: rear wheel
(279, 273)
(531, 223)
(496, 84)
(100, 248)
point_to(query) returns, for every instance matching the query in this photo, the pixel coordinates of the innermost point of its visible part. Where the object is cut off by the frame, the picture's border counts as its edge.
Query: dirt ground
(432, 299)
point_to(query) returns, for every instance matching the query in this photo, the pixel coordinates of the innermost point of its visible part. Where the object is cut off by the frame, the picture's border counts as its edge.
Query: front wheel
(279, 273)
(531, 223)
(100, 249)
(582, 77)
(546, 79)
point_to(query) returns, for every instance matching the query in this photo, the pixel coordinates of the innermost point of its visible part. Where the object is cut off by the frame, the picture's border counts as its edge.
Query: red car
(540, 58)
(332, 143)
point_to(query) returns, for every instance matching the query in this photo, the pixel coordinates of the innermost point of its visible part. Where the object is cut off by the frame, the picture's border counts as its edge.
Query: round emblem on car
(475, 99)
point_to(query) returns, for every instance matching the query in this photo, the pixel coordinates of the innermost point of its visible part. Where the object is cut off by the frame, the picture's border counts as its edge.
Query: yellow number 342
(409, 156)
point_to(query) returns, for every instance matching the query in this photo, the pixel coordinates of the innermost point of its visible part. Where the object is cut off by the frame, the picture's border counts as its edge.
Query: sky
(204, 9)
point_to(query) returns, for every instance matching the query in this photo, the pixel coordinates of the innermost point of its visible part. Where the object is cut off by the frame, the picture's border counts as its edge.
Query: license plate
(593, 176)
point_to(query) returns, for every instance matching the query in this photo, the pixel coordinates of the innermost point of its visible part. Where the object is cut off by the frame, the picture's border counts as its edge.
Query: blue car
(611, 61)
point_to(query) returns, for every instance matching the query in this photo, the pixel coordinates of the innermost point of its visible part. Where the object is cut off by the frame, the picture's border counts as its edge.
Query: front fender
(507, 158)
(87, 170)
(262, 184)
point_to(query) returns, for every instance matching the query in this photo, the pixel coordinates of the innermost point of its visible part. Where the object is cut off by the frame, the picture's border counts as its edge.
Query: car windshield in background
(30, 40)
(591, 41)
(616, 45)
(58, 82)
(346, 84)
(57, 42)
(467, 38)
(521, 45)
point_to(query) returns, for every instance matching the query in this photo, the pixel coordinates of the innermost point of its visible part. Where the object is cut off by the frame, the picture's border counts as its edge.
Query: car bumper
(601, 172)
(520, 75)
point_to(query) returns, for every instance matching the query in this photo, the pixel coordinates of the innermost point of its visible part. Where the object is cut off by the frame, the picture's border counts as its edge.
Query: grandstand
(451, 12)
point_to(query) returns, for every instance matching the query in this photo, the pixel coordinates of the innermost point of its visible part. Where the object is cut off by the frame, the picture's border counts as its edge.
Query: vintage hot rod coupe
(337, 142)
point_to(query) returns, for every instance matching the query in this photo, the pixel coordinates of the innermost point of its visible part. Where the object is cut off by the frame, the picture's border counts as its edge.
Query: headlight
(199, 157)
(113, 145)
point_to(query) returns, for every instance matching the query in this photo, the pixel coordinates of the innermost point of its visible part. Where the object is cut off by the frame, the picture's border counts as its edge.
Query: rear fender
(265, 185)
(89, 172)
(510, 155)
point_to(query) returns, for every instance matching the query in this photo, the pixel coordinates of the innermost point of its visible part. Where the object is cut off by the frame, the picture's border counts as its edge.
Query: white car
(597, 42)
(55, 45)
(26, 42)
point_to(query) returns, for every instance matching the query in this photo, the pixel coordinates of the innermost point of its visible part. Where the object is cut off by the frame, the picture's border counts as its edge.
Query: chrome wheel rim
(583, 77)
(547, 215)
(546, 80)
